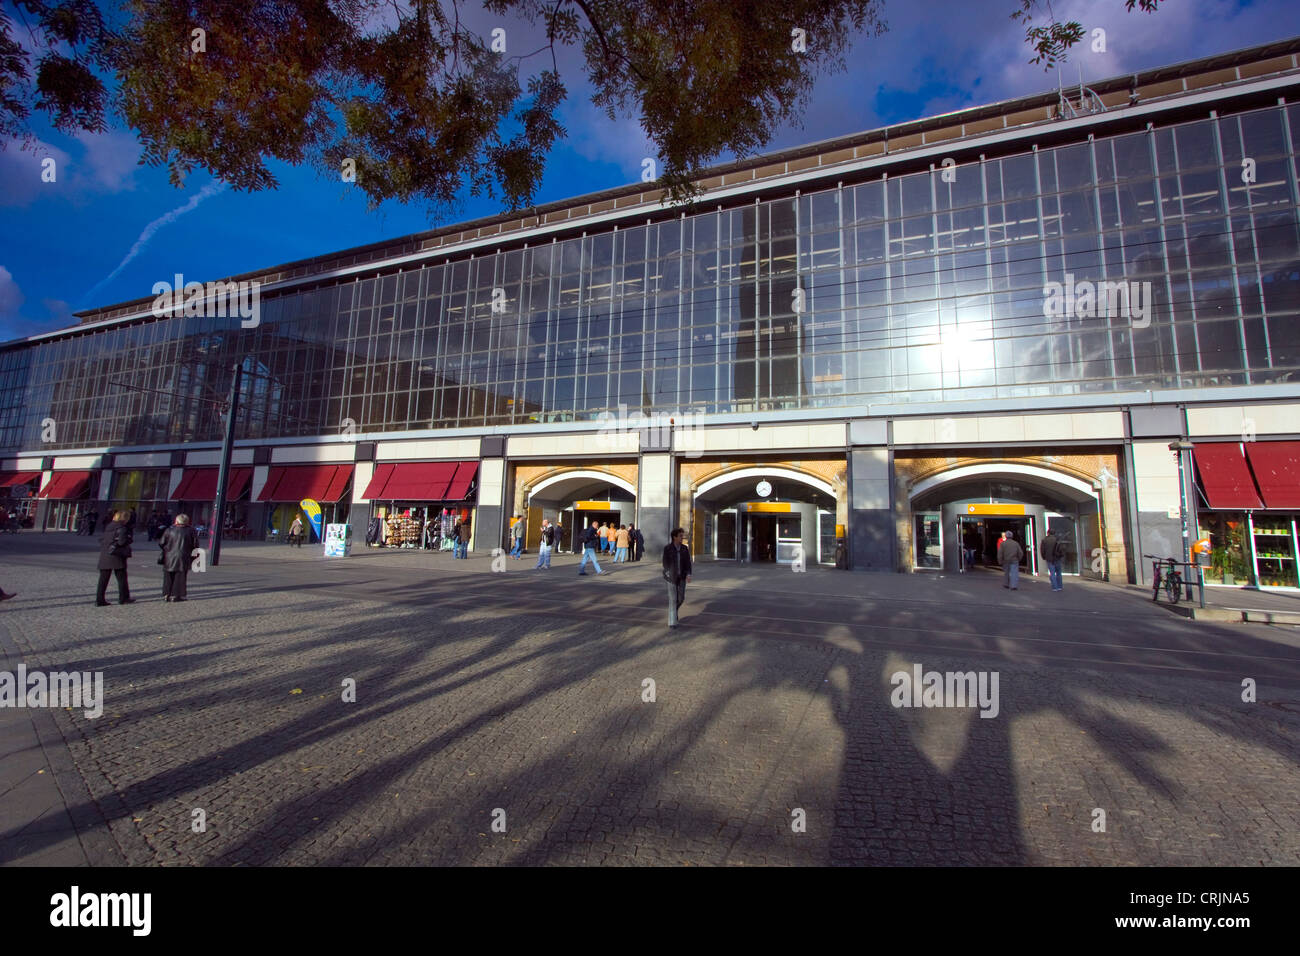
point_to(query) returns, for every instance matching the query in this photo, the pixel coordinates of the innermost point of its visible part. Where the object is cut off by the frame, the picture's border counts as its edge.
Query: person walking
(970, 541)
(601, 541)
(677, 572)
(638, 542)
(114, 550)
(590, 542)
(517, 533)
(92, 519)
(1052, 550)
(545, 546)
(611, 536)
(462, 536)
(295, 531)
(178, 544)
(1009, 554)
(621, 541)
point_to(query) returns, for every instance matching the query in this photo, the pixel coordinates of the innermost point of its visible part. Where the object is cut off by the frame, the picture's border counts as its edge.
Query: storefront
(197, 494)
(18, 491)
(70, 496)
(287, 486)
(143, 491)
(416, 504)
(1249, 506)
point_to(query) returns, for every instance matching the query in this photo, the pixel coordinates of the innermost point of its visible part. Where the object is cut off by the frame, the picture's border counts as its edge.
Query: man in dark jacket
(638, 544)
(677, 571)
(178, 544)
(1052, 550)
(590, 545)
(462, 536)
(1009, 554)
(114, 550)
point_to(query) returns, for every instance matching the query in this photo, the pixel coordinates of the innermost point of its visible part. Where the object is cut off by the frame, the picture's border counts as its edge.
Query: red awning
(1276, 465)
(296, 482)
(460, 484)
(200, 484)
(1225, 476)
(412, 481)
(10, 478)
(67, 484)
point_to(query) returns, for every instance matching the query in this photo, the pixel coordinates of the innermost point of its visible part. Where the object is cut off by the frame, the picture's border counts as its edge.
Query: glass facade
(905, 288)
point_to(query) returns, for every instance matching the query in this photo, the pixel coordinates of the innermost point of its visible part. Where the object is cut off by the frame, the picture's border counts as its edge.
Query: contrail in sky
(211, 189)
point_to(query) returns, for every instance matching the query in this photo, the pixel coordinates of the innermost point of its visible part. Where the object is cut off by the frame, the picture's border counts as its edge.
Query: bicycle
(1167, 577)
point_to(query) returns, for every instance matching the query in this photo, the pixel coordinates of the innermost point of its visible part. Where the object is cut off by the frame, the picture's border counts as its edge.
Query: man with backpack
(1052, 550)
(517, 536)
(591, 539)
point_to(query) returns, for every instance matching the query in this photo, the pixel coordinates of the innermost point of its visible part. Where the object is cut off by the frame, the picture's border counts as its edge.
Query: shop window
(1273, 537)
(1230, 556)
(929, 553)
(826, 537)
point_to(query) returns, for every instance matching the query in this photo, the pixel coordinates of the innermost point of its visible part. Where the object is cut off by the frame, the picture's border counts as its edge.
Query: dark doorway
(761, 534)
(982, 535)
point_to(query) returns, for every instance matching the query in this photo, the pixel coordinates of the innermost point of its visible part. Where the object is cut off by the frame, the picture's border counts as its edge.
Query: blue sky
(63, 244)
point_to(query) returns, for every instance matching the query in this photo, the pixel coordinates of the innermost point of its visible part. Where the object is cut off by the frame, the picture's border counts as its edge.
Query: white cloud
(11, 297)
(20, 171)
(107, 164)
(594, 136)
(60, 312)
(110, 160)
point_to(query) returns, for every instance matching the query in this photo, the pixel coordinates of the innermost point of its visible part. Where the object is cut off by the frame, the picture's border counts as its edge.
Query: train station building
(903, 342)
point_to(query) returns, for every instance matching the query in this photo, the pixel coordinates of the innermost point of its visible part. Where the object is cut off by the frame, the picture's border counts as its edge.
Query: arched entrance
(764, 515)
(576, 497)
(958, 515)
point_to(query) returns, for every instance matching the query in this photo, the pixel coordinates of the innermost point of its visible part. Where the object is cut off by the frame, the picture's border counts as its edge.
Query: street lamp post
(223, 474)
(1180, 449)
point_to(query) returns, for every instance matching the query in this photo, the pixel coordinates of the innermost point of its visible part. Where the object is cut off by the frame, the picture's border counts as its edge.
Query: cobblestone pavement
(520, 695)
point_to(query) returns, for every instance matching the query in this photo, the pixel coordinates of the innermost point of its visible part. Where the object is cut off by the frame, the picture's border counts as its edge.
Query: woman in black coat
(178, 544)
(114, 550)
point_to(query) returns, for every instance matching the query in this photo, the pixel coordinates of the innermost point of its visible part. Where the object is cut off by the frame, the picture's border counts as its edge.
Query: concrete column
(871, 520)
(654, 501)
(489, 517)
(1155, 489)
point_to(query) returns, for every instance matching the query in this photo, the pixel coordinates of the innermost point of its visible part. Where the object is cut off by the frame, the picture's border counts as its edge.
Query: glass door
(789, 537)
(928, 540)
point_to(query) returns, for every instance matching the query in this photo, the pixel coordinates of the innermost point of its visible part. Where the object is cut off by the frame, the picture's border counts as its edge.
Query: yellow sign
(782, 507)
(995, 509)
(593, 506)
